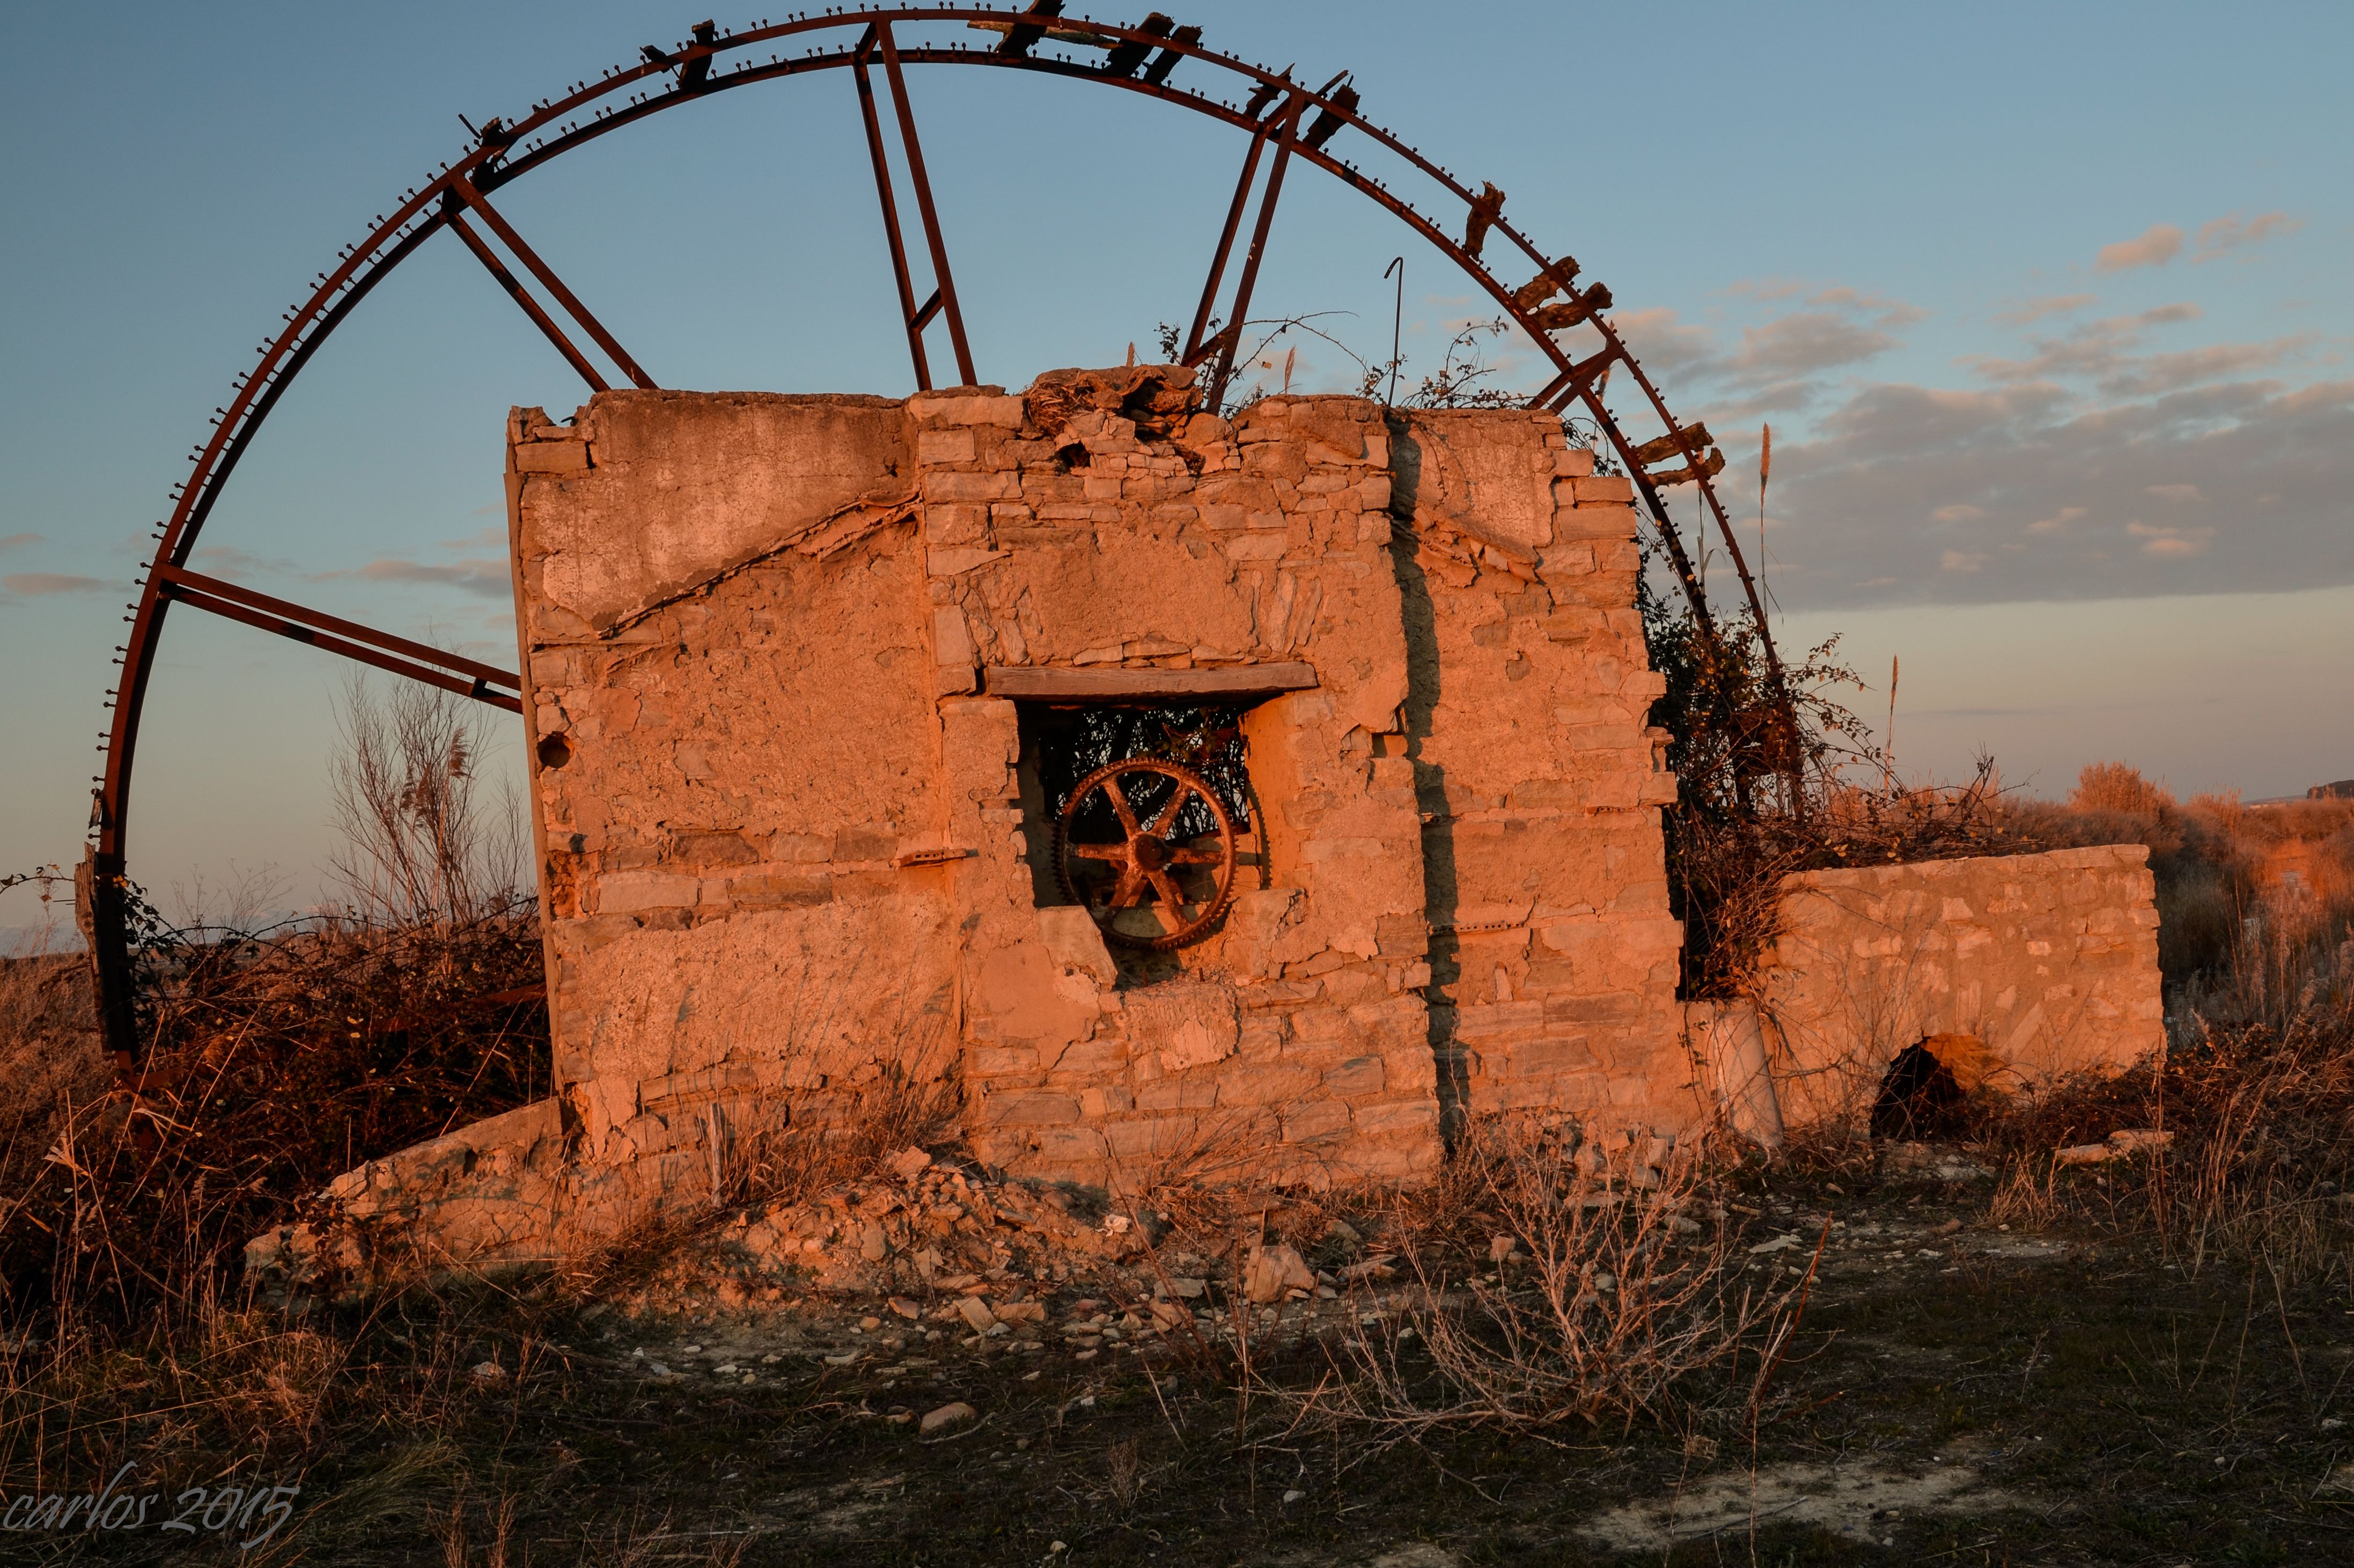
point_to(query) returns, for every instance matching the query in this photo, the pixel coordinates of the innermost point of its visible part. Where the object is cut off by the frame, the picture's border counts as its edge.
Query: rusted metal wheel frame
(718, 62)
(1143, 843)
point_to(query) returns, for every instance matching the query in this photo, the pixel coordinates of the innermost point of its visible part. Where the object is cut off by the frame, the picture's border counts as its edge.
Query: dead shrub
(52, 1061)
(1613, 1294)
(274, 1060)
(2262, 1119)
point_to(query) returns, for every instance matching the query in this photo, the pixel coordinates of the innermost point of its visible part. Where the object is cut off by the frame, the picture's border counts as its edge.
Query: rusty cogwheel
(1145, 888)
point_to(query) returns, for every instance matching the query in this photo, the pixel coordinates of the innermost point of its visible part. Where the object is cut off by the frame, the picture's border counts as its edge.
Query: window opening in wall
(1144, 815)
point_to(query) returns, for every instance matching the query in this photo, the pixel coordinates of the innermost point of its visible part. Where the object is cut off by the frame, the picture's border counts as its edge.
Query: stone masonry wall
(1297, 1048)
(1538, 775)
(734, 738)
(777, 774)
(2031, 965)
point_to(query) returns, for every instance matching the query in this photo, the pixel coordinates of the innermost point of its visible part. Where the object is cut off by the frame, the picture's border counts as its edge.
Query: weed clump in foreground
(273, 1060)
(1608, 1284)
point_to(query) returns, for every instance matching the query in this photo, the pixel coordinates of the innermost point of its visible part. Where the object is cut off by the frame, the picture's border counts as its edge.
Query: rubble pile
(930, 1252)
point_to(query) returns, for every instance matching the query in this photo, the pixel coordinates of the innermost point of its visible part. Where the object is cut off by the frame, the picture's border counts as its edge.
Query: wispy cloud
(32, 583)
(242, 563)
(2228, 233)
(16, 541)
(489, 578)
(2107, 351)
(2032, 311)
(2170, 543)
(1659, 337)
(1806, 342)
(1773, 368)
(2167, 371)
(2154, 246)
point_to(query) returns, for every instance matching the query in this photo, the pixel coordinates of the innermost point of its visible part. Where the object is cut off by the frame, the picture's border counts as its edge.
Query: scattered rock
(1275, 1269)
(2084, 1154)
(1779, 1243)
(909, 1163)
(947, 1415)
(976, 1312)
(905, 1309)
(1502, 1247)
(488, 1373)
(2133, 1139)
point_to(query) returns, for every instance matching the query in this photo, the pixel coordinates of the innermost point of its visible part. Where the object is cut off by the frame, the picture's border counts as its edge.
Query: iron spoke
(516, 292)
(1172, 902)
(1120, 808)
(1241, 312)
(943, 282)
(548, 280)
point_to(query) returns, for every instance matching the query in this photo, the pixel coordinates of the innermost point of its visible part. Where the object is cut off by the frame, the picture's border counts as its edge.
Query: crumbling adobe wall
(776, 652)
(734, 737)
(2033, 965)
(1539, 775)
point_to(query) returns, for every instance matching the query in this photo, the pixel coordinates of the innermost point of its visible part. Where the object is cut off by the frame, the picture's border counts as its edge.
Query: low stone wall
(2038, 965)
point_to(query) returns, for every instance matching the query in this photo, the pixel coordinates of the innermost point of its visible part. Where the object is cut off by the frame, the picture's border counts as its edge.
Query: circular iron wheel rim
(556, 124)
(1202, 924)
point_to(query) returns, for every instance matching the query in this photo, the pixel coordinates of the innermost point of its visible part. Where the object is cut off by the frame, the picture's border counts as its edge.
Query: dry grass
(2262, 1160)
(51, 1061)
(274, 1063)
(1612, 1296)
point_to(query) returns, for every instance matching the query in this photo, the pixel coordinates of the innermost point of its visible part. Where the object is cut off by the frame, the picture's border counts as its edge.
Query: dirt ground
(1959, 1392)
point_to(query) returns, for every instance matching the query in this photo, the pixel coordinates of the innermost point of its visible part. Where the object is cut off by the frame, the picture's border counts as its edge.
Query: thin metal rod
(907, 312)
(181, 583)
(941, 277)
(548, 280)
(1258, 250)
(1397, 323)
(478, 689)
(1226, 242)
(540, 318)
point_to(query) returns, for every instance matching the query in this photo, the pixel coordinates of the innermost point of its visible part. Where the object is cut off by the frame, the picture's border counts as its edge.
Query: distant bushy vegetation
(2254, 902)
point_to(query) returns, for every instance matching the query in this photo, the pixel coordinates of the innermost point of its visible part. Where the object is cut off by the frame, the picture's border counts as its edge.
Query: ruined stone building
(814, 683)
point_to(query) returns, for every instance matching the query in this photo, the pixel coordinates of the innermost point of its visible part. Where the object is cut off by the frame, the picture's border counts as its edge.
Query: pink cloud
(2229, 233)
(30, 583)
(2154, 246)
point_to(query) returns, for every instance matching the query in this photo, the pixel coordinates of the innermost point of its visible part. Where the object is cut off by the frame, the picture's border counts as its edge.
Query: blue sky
(2049, 307)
